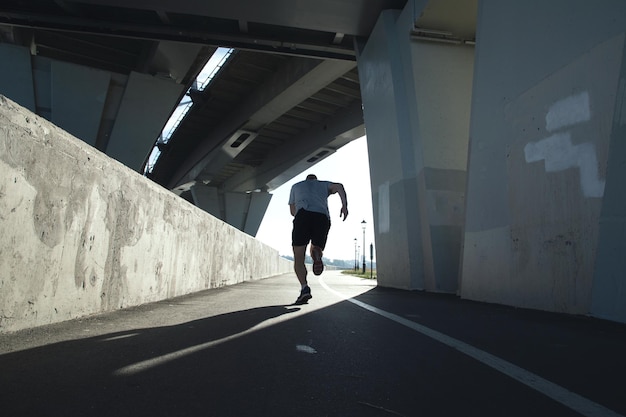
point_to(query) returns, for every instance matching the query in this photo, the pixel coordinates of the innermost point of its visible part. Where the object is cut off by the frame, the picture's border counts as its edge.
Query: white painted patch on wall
(569, 111)
(383, 208)
(559, 153)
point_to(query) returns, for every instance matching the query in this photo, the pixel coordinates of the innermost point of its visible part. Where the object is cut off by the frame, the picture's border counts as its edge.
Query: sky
(349, 166)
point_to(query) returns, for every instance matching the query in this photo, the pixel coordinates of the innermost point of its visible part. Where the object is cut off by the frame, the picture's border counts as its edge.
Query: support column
(244, 211)
(544, 100)
(207, 199)
(388, 109)
(16, 75)
(609, 284)
(443, 89)
(145, 108)
(416, 97)
(77, 90)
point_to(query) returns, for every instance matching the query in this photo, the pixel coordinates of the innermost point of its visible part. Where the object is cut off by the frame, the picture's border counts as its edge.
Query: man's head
(311, 177)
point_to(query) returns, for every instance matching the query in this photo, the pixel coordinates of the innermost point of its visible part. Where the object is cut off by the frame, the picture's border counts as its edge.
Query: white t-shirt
(311, 195)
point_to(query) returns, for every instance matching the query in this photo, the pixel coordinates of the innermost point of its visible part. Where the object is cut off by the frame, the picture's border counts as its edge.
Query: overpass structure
(494, 128)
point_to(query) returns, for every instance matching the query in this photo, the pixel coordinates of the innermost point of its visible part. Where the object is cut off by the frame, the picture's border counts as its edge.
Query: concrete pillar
(145, 108)
(416, 97)
(259, 202)
(609, 284)
(235, 209)
(207, 199)
(77, 99)
(388, 107)
(16, 75)
(70, 96)
(443, 89)
(544, 102)
(244, 211)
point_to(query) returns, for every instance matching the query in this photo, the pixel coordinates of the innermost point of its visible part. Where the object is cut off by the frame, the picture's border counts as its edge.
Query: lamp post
(355, 258)
(371, 260)
(363, 223)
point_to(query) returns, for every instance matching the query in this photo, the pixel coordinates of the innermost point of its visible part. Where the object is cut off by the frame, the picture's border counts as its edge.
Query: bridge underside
(494, 128)
(113, 73)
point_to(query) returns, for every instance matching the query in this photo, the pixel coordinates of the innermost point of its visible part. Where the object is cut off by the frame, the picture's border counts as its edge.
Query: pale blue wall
(544, 94)
(537, 218)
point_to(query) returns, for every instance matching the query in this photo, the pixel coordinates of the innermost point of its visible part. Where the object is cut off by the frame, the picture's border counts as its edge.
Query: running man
(308, 202)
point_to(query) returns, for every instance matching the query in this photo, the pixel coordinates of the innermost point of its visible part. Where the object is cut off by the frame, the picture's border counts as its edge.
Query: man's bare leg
(300, 268)
(298, 264)
(316, 254)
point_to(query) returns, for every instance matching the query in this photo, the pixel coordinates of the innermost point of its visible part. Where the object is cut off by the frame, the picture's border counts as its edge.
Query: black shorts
(309, 226)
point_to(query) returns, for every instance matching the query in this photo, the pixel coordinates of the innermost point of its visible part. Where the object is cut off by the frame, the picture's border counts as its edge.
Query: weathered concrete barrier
(81, 234)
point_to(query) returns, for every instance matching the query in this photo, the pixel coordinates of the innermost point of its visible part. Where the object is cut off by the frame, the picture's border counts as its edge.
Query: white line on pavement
(568, 398)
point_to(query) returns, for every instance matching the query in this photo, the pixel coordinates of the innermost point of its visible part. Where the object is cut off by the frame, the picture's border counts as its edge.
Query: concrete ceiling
(287, 98)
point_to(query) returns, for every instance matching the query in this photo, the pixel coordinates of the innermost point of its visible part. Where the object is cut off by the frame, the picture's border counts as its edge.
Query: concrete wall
(245, 211)
(81, 234)
(544, 100)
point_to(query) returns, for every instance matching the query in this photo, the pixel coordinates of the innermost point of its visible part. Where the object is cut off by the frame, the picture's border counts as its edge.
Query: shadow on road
(82, 378)
(339, 360)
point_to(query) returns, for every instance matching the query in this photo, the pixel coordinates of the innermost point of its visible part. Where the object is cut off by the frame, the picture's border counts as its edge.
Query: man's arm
(292, 202)
(336, 187)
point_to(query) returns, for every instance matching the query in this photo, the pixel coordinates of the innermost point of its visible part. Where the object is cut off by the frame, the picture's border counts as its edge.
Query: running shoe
(305, 296)
(318, 265)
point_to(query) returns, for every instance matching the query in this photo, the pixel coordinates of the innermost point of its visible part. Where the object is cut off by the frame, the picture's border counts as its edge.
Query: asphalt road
(354, 350)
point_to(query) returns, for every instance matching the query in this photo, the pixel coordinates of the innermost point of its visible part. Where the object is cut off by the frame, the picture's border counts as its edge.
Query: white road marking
(568, 398)
(305, 349)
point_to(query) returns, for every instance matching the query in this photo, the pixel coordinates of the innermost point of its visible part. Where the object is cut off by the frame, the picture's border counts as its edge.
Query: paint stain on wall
(559, 153)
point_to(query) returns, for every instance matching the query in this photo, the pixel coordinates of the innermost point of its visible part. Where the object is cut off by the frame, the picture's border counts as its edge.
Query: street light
(371, 260)
(363, 223)
(356, 265)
